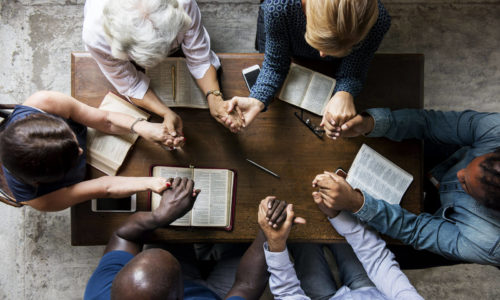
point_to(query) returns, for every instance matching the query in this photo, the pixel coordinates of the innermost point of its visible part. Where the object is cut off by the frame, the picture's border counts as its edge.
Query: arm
(467, 128)
(377, 260)
(110, 122)
(102, 187)
(251, 276)
(175, 202)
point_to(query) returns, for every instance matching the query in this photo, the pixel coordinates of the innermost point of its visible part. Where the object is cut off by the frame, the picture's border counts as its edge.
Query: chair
(6, 195)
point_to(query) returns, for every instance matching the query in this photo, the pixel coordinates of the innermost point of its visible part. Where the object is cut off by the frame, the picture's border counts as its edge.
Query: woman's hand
(250, 108)
(339, 110)
(219, 110)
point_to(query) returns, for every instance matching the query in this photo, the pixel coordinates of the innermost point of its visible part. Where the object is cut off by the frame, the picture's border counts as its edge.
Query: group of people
(43, 155)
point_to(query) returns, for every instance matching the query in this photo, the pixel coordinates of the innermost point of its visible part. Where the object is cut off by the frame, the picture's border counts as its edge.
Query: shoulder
(99, 285)
(92, 33)
(277, 12)
(384, 19)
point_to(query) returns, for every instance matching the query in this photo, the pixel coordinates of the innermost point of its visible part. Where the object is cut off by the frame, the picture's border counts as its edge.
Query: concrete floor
(460, 40)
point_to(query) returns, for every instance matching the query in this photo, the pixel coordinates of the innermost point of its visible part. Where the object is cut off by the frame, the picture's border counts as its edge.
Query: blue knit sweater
(285, 26)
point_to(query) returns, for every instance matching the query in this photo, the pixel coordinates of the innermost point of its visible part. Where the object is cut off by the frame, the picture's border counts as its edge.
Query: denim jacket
(462, 229)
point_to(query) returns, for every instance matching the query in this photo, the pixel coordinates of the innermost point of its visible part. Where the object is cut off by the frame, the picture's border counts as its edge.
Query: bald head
(152, 274)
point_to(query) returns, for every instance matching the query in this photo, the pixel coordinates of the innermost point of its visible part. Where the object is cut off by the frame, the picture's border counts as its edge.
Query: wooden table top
(276, 139)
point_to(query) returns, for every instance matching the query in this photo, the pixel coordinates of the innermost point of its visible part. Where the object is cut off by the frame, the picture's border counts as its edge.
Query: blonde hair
(143, 29)
(335, 26)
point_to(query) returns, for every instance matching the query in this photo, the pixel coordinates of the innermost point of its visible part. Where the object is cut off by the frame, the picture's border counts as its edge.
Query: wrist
(358, 201)
(276, 246)
(369, 123)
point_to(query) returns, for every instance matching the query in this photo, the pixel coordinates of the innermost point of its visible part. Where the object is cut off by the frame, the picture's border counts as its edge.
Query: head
(39, 148)
(481, 179)
(143, 30)
(152, 274)
(335, 26)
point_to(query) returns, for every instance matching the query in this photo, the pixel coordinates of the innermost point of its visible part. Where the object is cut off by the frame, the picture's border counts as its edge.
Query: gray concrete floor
(460, 40)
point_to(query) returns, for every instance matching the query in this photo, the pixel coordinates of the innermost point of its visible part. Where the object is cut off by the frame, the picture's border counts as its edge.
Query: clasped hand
(176, 200)
(335, 194)
(231, 118)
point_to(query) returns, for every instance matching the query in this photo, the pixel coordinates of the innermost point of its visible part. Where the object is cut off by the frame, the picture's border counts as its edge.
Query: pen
(262, 168)
(173, 82)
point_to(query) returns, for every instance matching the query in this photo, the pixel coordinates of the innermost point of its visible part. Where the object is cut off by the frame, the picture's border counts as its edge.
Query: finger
(190, 185)
(271, 210)
(317, 198)
(184, 182)
(196, 193)
(231, 104)
(169, 182)
(240, 115)
(280, 219)
(299, 220)
(171, 128)
(176, 182)
(278, 211)
(290, 216)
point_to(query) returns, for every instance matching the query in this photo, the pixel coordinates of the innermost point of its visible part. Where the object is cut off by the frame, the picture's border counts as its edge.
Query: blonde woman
(347, 32)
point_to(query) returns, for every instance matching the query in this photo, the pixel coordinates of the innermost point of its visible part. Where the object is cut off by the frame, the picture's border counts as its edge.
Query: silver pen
(262, 168)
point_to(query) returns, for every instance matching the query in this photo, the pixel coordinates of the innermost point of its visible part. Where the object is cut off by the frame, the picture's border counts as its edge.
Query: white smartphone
(250, 75)
(126, 204)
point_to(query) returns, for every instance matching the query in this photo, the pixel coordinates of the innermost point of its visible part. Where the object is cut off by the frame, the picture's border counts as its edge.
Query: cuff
(139, 90)
(344, 222)
(199, 68)
(261, 97)
(381, 116)
(369, 208)
(276, 260)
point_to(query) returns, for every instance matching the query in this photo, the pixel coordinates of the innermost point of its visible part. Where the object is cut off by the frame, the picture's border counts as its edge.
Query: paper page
(171, 172)
(378, 176)
(187, 93)
(318, 93)
(107, 152)
(295, 85)
(210, 208)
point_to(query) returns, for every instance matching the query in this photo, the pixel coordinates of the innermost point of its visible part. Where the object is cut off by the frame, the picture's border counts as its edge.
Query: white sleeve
(283, 281)
(196, 44)
(122, 74)
(378, 261)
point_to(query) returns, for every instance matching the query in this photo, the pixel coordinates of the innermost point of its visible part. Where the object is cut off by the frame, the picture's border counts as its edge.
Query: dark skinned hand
(276, 212)
(176, 201)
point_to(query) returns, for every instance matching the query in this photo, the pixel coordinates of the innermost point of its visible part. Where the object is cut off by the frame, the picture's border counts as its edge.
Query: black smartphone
(250, 75)
(126, 204)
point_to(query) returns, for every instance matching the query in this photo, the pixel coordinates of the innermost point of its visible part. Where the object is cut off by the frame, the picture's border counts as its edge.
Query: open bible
(378, 176)
(214, 206)
(307, 89)
(107, 152)
(174, 85)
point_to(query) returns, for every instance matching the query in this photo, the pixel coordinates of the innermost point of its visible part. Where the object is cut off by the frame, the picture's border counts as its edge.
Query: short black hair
(39, 148)
(491, 180)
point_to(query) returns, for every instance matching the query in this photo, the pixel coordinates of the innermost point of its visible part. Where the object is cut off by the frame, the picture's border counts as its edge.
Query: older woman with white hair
(117, 32)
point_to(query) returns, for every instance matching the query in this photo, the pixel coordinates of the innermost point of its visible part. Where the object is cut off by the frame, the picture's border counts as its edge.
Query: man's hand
(219, 110)
(276, 211)
(249, 107)
(276, 238)
(336, 194)
(339, 110)
(359, 125)
(172, 124)
(176, 201)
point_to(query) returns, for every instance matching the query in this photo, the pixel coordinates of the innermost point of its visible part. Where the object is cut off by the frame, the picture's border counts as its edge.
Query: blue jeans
(315, 276)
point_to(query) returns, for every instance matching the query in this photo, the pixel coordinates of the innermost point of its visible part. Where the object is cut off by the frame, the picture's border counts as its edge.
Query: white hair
(143, 30)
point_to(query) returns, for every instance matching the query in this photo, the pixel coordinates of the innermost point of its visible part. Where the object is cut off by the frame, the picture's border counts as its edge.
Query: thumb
(232, 103)
(349, 124)
(299, 220)
(290, 214)
(170, 128)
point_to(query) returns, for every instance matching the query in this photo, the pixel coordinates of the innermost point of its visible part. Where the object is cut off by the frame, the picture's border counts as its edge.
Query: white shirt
(128, 81)
(378, 261)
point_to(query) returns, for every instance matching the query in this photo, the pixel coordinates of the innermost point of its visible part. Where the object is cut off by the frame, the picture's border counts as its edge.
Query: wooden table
(276, 139)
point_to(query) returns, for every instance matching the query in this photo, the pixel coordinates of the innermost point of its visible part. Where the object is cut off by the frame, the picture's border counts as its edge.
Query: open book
(215, 203)
(378, 176)
(174, 85)
(307, 89)
(107, 152)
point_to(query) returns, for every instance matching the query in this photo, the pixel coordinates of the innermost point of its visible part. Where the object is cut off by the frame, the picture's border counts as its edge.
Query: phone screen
(114, 204)
(251, 78)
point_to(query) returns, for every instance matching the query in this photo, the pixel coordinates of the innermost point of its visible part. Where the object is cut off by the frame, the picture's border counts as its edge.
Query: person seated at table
(43, 152)
(128, 272)
(121, 33)
(383, 279)
(466, 226)
(345, 32)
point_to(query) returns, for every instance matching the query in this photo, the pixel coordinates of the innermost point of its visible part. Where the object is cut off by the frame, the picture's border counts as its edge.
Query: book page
(107, 152)
(171, 172)
(210, 208)
(295, 85)
(378, 176)
(318, 93)
(162, 81)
